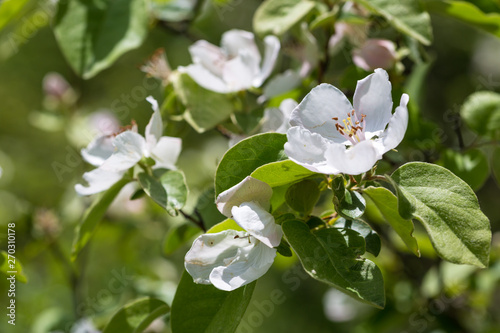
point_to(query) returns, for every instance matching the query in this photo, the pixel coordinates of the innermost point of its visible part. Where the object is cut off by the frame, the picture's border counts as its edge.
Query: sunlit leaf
(449, 211)
(246, 156)
(387, 205)
(11, 266)
(281, 173)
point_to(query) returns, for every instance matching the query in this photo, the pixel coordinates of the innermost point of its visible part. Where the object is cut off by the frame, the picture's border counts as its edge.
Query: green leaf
(349, 204)
(135, 317)
(174, 183)
(225, 225)
(303, 196)
(153, 189)
(387, 205)
(372, 239)
(178, 236)
(205, 309)
(481, 112)
(471, 166)
(449, 211)
(93, 34)
(332, 256)
(172, 10)
(93, 215)
(406, 16)
(11, 264)
(246, 156)
(495, 164)
(10, 10)
(468, 13)
(281, 173)
(275, 17)
(170, 192)
(204, 108)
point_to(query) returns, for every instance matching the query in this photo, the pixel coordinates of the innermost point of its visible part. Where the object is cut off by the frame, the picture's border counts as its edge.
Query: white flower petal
(317, 109)
(208, 56)
(249, 189)
(355, 160)
(244, 270)
(166, 152)
(205, 78)
(373, 99)
(258, 222)
(129, 149)
(395, 132)
(154, 129)
(235, 41)
(237, 74)
(212, 250)
(99, 180)
(282, 83)
(278, 120)
(308, 149)
(271, 54)
(98, 150)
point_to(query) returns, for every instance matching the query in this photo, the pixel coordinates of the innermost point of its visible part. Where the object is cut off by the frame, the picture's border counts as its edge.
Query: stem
(457, 121)
(70, 272)
(198, 222)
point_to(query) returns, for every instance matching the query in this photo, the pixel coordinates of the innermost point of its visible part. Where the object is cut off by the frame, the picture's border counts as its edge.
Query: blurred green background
(39, 157)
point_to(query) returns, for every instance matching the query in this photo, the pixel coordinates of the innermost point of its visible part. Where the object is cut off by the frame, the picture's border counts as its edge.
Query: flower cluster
(230, 259)
(113, 155)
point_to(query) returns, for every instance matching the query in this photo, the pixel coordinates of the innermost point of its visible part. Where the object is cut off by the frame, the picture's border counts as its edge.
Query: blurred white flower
(114, 157)
(375, 53)
(235, 66)
(330, 136)
(231, 259)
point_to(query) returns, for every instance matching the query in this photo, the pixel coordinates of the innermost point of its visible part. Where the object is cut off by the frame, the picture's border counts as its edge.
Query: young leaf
(405, 16)
(10, 10)
(449, 211)
(471, 166)
(93, 215)
(175, 186)
(372, 239)
(11, 264)
(93, 34)
(135, 317)
(349, 204)
(281, 173)
(303, 196)
(275, 17)
(178, 236)
(332, 255)
(203, 308)
(204, 108)
(387, 204)
(246, 156)
(468, 13)
(170, 192)
(481, 112)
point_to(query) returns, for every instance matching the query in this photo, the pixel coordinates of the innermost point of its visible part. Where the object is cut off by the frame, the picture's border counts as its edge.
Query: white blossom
(236, 65)
(114, 155)
(329, 136)
(230, 259)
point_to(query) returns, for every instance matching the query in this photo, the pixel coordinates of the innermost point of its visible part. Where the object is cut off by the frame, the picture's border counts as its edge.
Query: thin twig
(199, 222)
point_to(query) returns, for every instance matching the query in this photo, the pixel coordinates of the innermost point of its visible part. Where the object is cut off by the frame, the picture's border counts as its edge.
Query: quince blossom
(234, 66)
(114, 155)
(230, 259)
(330, 136)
